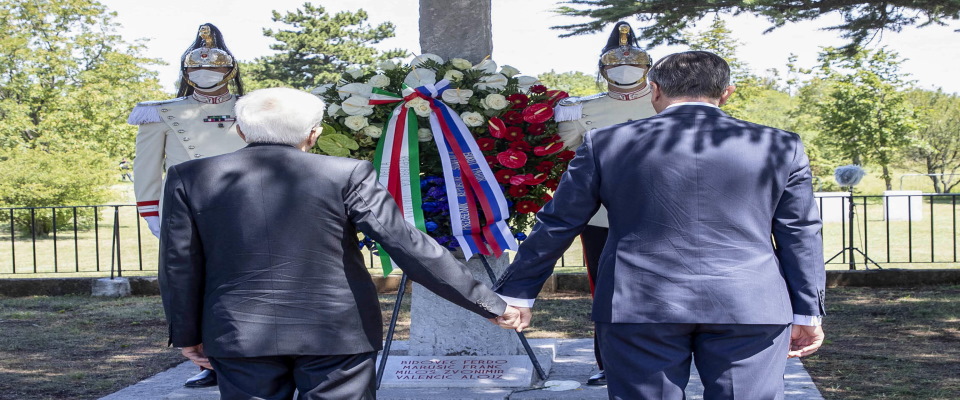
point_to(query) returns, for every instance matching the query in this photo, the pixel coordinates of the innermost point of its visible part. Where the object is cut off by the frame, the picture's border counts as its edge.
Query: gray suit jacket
(694, 197)
(259, 255)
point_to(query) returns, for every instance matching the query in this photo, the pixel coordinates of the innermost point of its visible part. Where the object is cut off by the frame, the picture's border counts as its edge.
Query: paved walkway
(573, 362)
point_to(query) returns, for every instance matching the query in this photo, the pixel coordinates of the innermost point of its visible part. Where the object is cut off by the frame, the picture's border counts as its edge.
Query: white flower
(492, 82)
(457, 96)
(420, 106)
(453, 75)
(424, 57)
(424, 135)
(494, 101)
(355, 122)
(472, 119)
(373, 131)
(460, 63)
(357, 105)
(524, 82)
(333, 109)
(386, 65)
(356, 88)
(354, 72)
(320, 90)
(420, 77)
(378, 80)
(487, 66)
(508, 71)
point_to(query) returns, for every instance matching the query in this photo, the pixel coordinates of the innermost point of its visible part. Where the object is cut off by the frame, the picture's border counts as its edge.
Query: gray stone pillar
(440, 328)
(456, 28)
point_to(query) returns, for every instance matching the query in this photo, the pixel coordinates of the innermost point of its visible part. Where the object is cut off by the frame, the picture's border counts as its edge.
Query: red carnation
(551, 148)
(518, 100)
(513, 117)
(545, 166)
(538, 89)
(527, 207)
(513, 133)
(512, 158)
(537, 113)
(491, 160)
(536, 129)
(521, 145)
(497, 127)
(518, 191)
(566, 155)
(554, 96)
(487, 144)
(504, 175)
(551, 184)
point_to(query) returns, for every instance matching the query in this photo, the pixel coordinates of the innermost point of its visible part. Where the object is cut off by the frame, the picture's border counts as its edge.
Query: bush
(39, 178)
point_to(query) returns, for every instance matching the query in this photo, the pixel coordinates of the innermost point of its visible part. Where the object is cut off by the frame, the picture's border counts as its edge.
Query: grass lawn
(882, 343)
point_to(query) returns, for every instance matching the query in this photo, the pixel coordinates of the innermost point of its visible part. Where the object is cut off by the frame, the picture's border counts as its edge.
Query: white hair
(278, 115)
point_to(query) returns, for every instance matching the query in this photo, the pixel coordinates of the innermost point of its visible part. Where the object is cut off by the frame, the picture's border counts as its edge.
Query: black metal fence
(898, 230)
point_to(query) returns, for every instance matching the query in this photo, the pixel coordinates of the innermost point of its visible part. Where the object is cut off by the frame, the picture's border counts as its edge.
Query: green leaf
(337, 145)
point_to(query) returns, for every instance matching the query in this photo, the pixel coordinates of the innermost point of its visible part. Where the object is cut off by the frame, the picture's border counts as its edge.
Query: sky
(521, 36)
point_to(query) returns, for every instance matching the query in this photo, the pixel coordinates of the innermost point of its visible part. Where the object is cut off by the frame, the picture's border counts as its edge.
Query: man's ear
(726, 94)
(240, 132)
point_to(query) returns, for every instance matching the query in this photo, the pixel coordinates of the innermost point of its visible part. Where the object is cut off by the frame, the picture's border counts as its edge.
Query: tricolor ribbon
(470, 184)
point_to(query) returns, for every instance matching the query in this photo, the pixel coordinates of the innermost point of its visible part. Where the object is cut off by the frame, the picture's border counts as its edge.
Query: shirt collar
(692, 103)
(211, 99)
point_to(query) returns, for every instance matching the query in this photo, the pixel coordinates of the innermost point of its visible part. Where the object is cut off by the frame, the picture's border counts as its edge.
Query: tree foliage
(318, 48)
(666, 19)
(575, 83)
(864, 114)
(936, 144)
(67, 81)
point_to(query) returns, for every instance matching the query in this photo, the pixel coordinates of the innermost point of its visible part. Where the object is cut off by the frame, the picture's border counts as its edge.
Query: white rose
(494, 101)
(492, 82)
(373, 131)
(379, 81)
(423, 58)
(386, 65)
(424, 135)
(453, 75)
(472, 119)
(419, 106)
(524, 82)
(487, 66)
(354, 72)
(356, 88)
(420, 77)
(457, 96)
(357, 105)
(460, 63)
(355, 122)
(509, 71)
(333, 109)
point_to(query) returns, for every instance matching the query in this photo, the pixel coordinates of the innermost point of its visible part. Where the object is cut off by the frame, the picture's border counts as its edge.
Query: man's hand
(195, 354)
(805, 340)
(153, 222)
(509, 320)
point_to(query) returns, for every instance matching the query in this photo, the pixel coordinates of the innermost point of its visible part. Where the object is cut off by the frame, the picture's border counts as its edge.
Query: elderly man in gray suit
(714, 248)
(261, 276)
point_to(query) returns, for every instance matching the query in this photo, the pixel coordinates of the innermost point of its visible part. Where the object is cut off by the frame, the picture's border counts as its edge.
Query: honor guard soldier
(624, 65)
(198, 123)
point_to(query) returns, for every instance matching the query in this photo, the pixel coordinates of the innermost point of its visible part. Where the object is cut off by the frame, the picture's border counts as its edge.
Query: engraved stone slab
(459, 371)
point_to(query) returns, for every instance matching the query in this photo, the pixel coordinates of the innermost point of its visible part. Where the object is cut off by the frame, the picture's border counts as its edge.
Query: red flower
(491, 160)
(545, 166)
(487, 144)
(546, 197)
(518, 191)
(554, 96)
(537, 179)
(536, 129)
(551, 148)
(518, 100)
(497, 127)
(527, 207)
(513, 117)
(504, 175)
(528, 179)
(538, 89)
(521, 145)
(537, 113)
(551, 184)
(513, 133)
(512, 158)
(566, 155)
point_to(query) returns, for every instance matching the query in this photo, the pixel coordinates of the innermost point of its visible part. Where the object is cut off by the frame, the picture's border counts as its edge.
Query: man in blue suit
(714, 253)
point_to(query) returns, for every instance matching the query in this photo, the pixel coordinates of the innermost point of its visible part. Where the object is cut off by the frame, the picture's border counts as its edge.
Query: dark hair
(185, 89)
(691, 74)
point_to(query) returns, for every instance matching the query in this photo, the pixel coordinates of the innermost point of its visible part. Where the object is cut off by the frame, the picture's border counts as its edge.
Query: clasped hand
(517, 318)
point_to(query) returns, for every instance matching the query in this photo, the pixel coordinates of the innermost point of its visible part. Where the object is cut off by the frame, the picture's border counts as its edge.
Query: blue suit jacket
(712, 220)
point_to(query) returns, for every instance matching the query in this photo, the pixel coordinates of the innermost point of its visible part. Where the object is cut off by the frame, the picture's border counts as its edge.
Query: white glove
(153, 222)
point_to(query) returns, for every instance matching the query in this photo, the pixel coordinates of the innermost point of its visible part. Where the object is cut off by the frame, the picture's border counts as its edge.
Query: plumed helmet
(622, 48)
(207, 50)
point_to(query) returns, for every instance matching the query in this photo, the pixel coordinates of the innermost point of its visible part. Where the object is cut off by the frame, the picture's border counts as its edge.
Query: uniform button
(630, 120)
(196, 156)
(583, 115)
(164, 110)
(191, 147)
(170, 117)
(181, 131)
(176, 124)
(186, 139)
(589, 122)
